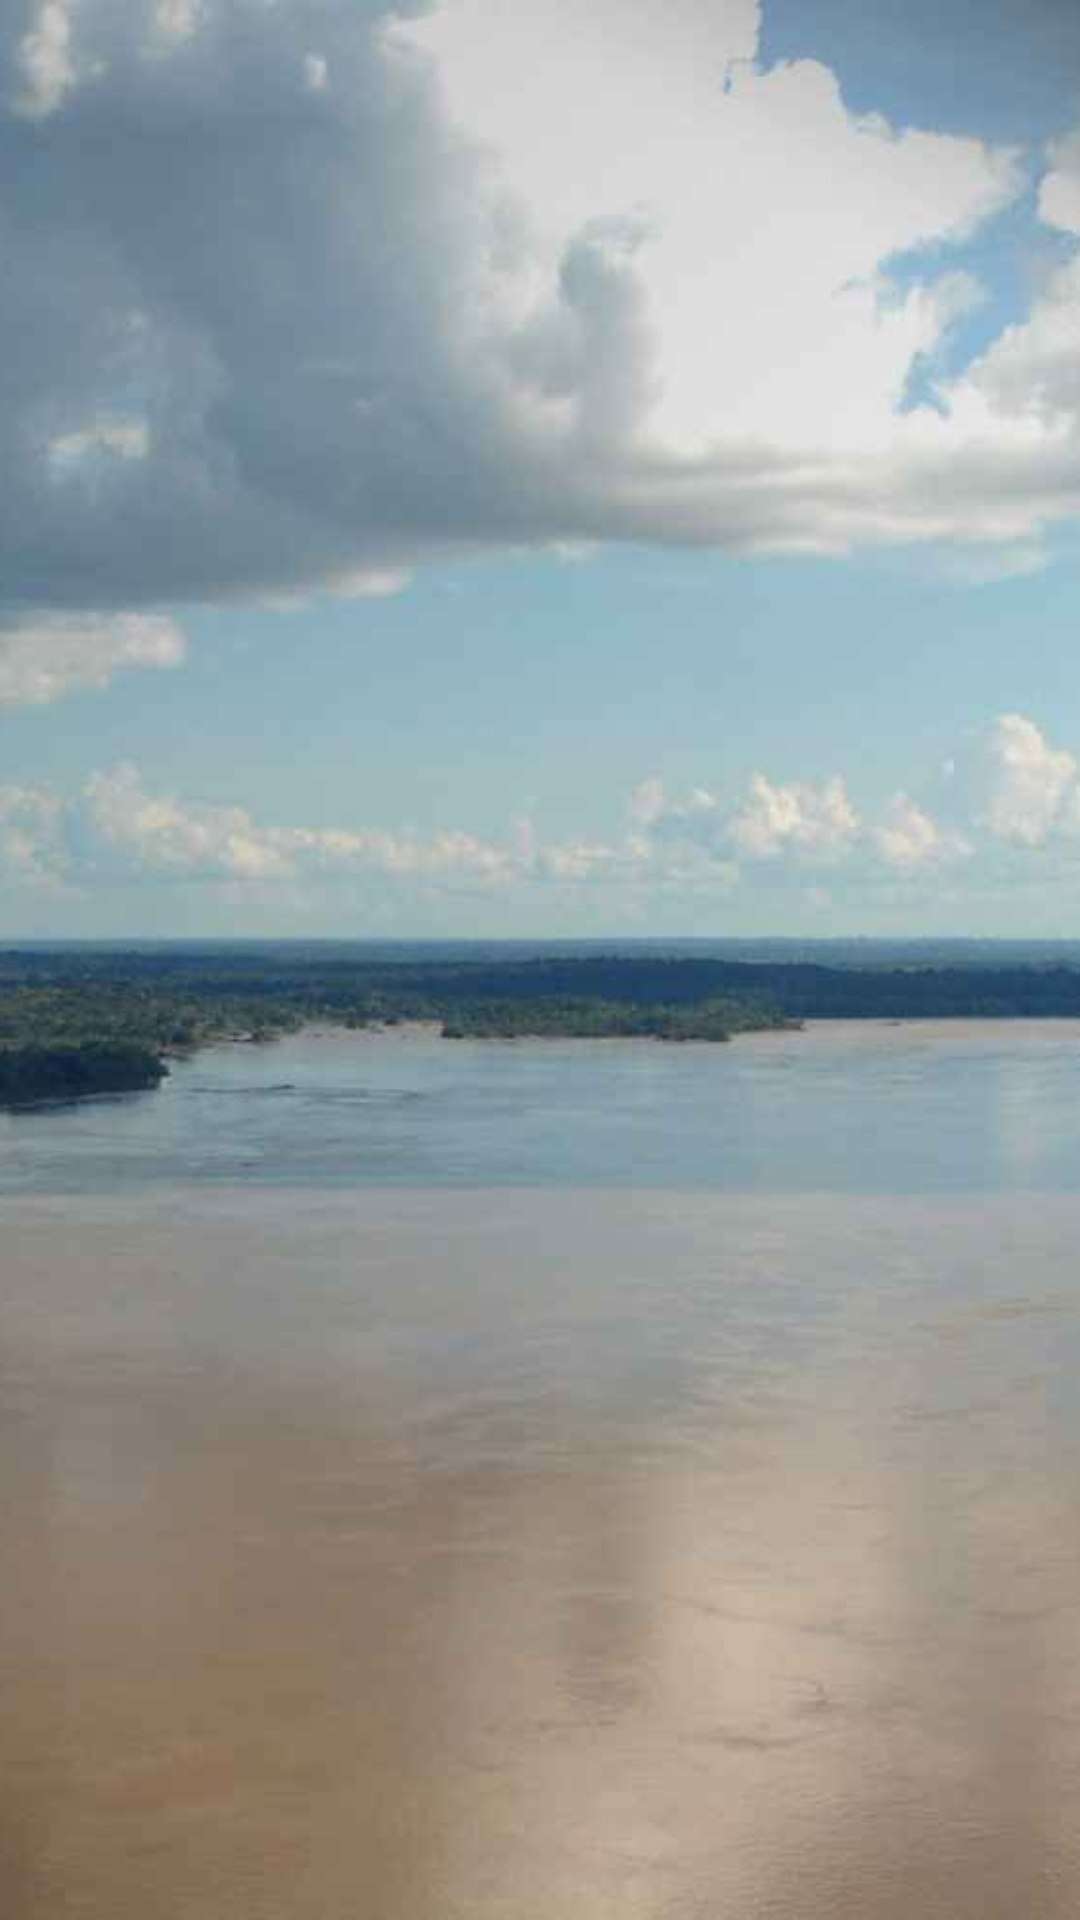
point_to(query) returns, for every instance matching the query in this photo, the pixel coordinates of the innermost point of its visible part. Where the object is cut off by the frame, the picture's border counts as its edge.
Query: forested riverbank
(86, 1020)
(34, 1075)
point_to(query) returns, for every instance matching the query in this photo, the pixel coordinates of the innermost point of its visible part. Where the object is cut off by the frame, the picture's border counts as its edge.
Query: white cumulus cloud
(1033, 786)
(1059, 189)
(43, 660)
(32, 843)
(1016, 814)
(316, 72)
(799, 817)
(909, 838)
(763, 209)
(164, 835)
(350, 285)
(45, 62)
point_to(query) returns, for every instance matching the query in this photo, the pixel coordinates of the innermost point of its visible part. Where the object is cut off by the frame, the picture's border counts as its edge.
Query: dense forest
(33, 1074)
(564, 1017)
(92, 1015)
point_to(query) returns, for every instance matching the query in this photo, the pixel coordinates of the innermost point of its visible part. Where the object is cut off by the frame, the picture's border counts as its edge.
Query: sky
(521, 470)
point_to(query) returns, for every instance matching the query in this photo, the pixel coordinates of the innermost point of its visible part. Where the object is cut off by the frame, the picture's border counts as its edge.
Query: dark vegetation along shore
(32, 1074)
(77, 1021)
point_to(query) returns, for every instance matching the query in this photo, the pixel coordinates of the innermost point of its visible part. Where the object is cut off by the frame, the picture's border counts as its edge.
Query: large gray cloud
(263, 326)
(257, 273)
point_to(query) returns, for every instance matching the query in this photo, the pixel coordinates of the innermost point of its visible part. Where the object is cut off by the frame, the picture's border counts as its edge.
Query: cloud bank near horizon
(1009, 805)
(304, 296)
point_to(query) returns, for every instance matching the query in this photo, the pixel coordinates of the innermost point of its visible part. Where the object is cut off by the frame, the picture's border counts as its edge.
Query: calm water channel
(547, 1482)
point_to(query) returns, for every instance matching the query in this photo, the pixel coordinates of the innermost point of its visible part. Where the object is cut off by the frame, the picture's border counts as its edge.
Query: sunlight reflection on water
(547, 1553)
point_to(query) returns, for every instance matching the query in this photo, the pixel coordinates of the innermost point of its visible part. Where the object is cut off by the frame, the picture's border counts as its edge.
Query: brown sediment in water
(562, 1556)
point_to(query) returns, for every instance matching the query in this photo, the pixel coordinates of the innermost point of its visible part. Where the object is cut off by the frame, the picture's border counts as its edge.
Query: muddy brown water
(541, 1552)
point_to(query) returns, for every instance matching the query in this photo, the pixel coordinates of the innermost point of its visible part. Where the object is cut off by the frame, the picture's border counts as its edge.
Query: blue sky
(540, 473)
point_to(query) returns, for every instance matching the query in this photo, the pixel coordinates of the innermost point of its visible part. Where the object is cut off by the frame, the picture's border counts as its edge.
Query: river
(547, 1481)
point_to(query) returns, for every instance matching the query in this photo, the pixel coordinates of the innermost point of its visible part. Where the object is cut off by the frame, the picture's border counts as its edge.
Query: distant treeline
(250, 986)
(107, 1004)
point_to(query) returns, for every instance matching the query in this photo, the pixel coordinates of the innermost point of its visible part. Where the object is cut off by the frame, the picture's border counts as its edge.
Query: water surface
(547, 1481)
(846, 1106)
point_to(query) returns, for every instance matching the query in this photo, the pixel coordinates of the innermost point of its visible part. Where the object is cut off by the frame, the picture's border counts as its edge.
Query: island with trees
(34, 1075)
(80, 1020)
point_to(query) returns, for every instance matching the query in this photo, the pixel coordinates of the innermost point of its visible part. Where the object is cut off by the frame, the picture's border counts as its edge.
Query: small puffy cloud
(1033, 786)
(177, 20)
(591, 862)
(42, 661)
(369, 583)
(32, 841)
(443, 856)
(791, 824)
(799, 818)
(984, 566)
(108, 439)
(648, 802)
(44, 62)
(1029, 382)
(159, 834)
(770, 820)
(1059, 189)
(316, 72)
(909, 838)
